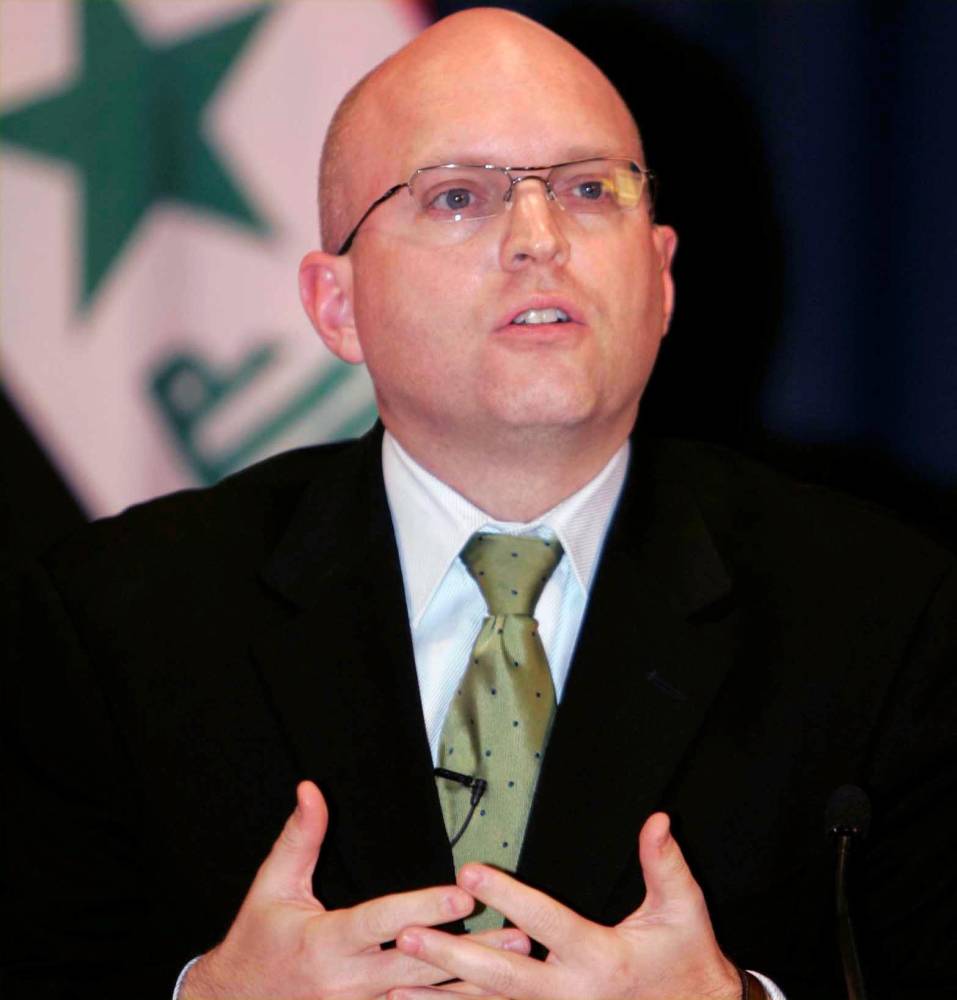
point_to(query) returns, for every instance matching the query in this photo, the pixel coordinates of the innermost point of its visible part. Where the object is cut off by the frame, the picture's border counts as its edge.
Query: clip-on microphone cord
(478, 786)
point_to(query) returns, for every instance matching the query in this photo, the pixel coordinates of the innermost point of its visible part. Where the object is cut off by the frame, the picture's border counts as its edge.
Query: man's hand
(665, 949)
(284, 943)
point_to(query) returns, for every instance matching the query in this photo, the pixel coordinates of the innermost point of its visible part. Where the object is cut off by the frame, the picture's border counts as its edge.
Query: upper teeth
(542, 316)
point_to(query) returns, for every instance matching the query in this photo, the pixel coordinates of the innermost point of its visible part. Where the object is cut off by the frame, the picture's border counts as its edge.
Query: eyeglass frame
(647, 176)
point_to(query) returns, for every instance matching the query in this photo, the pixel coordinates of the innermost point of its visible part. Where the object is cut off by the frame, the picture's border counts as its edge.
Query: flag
(158, 189)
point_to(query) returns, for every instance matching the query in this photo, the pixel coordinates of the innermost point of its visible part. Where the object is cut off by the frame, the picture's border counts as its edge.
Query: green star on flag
(132, 126)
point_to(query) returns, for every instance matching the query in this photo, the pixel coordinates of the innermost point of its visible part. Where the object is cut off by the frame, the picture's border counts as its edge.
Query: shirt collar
(417, 499)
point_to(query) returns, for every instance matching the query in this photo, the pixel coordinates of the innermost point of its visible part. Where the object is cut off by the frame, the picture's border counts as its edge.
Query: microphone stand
(850, 960)
(848, 817)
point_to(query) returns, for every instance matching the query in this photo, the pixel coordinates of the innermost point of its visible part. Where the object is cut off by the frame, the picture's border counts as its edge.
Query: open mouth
(535, 317)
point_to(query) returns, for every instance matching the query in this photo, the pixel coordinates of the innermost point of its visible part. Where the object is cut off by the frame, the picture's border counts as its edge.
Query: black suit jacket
(749, 646)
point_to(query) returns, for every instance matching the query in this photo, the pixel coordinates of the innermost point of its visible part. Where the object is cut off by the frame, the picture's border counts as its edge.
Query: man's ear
(325, 287)
(666, 243)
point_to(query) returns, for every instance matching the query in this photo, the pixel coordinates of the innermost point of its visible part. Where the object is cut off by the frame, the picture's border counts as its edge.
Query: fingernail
(470, 877)
(665, 834)
(326, 274)
(516, 944)
(410, 941)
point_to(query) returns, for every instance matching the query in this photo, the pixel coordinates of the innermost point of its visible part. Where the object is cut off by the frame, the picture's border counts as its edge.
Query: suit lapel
(341, 677)
(654, 649)
(339, 670)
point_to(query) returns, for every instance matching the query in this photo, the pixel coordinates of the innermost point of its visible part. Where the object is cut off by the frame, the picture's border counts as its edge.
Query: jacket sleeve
(78, 920)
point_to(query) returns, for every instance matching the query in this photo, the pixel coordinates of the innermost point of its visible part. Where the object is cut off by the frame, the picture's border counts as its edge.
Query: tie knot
(511, 571)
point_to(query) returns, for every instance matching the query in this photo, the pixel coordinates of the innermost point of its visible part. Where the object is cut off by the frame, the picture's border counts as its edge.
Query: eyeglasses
(468, 192)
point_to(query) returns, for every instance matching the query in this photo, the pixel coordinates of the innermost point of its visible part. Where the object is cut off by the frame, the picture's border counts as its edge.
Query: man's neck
(519, 482)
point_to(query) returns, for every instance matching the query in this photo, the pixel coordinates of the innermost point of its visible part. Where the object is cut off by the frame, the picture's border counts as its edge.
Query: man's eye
(453, 200)
(590, 190)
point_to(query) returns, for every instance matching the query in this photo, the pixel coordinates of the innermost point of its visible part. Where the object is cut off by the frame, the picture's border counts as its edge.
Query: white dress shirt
(432, 524)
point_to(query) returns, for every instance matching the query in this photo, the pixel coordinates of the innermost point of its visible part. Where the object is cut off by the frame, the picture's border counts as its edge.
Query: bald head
(448, 76)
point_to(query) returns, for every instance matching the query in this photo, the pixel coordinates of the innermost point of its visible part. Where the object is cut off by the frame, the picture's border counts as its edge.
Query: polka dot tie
(497, 725)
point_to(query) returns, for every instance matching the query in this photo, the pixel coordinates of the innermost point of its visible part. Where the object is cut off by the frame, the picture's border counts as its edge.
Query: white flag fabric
(157, 190)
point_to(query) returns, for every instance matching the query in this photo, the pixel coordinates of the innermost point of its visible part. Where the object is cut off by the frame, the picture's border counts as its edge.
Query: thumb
(287, 871)
(668, 878)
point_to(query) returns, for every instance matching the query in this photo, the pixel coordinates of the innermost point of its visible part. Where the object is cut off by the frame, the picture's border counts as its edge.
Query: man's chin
(538, 422)
(558, 405)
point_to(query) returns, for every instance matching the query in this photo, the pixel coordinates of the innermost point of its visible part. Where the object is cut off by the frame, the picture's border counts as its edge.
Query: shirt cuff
(774, 993)
(193, 961)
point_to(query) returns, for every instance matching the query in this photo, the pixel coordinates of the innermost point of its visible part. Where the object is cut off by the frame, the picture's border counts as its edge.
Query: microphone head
(848, 812)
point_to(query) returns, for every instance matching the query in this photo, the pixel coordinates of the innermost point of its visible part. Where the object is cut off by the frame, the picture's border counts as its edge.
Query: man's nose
(534, 222)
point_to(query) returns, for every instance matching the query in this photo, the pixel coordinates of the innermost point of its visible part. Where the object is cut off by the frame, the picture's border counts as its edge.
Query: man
(748, 646)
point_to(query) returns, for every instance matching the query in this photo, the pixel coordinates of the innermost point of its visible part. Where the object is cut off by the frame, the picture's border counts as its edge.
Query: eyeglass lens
(463, 193)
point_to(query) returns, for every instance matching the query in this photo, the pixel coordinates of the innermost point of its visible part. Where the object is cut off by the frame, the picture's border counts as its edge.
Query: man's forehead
(495, 111)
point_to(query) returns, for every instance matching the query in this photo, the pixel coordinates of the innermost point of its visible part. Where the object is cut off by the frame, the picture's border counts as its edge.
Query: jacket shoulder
(234, 523)
(765, 518)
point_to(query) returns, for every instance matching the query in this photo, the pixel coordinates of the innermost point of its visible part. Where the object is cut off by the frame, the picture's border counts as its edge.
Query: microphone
(478, 786)
(847, 818)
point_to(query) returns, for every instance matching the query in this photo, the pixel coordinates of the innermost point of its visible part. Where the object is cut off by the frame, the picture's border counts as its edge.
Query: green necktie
(497, 725)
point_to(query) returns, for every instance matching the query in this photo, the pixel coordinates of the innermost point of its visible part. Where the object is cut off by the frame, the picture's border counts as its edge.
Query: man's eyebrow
(570, 153)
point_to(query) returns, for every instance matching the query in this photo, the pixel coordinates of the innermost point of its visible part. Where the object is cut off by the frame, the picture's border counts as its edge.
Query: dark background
(807, 155)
